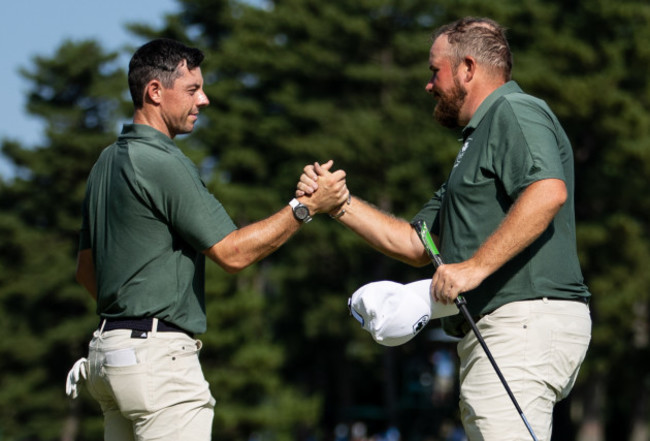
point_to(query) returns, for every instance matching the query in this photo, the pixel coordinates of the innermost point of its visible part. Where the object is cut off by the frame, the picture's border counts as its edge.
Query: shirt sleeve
(430, 212)
(176, 191)
(525, 148)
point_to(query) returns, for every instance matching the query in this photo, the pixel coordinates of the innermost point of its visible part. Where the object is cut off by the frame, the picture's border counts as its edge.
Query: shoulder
(156, 160)
(522, 105)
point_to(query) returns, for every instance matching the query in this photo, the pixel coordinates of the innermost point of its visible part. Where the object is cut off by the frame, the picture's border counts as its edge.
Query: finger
(442, 286)
(328, 165)
(310, 172)
(307, 184)
(435, 288)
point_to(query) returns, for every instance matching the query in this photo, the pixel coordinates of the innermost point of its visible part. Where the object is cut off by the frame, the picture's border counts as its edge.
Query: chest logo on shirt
(460, 155)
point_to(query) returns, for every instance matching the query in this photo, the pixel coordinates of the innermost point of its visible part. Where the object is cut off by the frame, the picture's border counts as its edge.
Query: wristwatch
(300, 211)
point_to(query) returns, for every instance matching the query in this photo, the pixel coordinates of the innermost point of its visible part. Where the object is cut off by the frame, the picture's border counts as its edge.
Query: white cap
(394, 313)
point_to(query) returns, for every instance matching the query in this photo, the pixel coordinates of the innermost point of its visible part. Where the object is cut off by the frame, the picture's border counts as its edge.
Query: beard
(449, 104)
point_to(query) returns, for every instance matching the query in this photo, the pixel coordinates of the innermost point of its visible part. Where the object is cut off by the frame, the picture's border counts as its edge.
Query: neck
(150, 118)
(475, 97)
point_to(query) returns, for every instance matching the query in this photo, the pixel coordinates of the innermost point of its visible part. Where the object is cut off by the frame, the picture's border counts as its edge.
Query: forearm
(249, 244)
(254, 242)
(387, 234)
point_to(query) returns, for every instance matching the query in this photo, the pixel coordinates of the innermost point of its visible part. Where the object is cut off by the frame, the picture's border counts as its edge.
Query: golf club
(461, 303)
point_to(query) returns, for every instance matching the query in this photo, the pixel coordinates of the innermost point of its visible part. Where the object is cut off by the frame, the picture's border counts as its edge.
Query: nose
(429, 86)
(202, 100)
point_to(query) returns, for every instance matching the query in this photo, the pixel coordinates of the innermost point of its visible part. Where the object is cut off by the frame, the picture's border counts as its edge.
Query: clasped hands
(324, 191)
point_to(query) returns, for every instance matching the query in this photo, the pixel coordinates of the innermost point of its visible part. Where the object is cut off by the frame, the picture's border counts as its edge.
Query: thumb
(324, 167)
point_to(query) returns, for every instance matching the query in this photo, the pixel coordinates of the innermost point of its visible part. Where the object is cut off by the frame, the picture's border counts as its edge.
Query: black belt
(140, 324)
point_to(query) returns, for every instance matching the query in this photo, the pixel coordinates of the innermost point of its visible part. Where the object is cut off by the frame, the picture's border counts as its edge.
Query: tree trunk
(591, 407)
(71, 424)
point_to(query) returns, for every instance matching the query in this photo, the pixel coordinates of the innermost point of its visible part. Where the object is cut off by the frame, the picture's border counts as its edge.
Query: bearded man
(504, 222)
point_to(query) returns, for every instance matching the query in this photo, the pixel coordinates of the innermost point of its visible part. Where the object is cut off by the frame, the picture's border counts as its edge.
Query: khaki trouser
(150, 388)
(539, 346)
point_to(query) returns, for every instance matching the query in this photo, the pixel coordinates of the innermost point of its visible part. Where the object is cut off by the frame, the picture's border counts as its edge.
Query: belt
(140, 324)
(584, 300)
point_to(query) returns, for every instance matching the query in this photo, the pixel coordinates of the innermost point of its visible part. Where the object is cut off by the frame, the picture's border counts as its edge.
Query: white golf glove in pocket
(77, 374)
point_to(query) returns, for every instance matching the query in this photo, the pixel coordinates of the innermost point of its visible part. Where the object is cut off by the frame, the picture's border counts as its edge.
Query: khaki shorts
(150, 388)
(539, 346)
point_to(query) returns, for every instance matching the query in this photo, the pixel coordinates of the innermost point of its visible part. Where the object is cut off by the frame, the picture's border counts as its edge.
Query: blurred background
(292, 82)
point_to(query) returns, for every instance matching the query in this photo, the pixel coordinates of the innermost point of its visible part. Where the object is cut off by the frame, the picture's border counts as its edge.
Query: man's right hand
(321, 190)
(308, 182)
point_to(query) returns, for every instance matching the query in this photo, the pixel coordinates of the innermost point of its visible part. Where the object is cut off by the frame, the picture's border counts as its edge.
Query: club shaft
(461, 303)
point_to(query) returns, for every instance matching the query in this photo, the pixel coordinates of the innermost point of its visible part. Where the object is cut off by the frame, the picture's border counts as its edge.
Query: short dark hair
(159, 59)
(482, 38)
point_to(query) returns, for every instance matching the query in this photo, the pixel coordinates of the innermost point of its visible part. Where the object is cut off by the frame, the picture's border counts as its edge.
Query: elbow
(231, 265)
(548, 195)
(232, 269)
(561, 196)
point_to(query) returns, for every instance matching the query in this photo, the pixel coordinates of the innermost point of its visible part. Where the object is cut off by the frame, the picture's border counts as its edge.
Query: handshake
(323, 191)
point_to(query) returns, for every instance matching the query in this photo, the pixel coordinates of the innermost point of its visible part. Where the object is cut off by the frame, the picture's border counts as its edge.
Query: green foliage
(297, 81)
(47, 318)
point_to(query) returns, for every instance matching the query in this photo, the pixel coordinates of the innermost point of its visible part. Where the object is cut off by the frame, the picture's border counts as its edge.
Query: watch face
(301, 212)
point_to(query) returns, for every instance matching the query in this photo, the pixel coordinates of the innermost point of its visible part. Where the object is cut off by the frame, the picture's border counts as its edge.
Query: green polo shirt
(512, 140)
(147, 216)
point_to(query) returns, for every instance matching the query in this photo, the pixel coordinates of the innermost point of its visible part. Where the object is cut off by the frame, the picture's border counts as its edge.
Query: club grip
(426, 239)
(431, 249)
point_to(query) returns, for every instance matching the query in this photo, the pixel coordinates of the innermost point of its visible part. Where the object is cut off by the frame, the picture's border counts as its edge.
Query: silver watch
(300, 211)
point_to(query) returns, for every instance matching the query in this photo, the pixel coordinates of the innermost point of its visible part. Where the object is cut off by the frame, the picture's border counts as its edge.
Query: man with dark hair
(504, 223)
(148, 223)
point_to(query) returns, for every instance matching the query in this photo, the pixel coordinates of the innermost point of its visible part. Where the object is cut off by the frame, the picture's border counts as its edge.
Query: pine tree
(47, 318)
(297, 81)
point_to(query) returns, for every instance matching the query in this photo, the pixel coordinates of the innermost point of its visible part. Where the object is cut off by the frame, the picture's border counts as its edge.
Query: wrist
(340, 211)
(482, 268)
(301, 212)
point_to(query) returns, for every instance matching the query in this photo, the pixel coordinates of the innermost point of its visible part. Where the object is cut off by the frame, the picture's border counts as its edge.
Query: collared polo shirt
(512, 140)
(148, 216)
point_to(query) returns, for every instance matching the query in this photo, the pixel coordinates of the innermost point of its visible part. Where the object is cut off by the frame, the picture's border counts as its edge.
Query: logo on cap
(421, 323)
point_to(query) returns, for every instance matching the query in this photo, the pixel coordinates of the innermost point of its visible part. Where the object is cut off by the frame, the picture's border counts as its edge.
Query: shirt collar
(135, 131)
(507, 88)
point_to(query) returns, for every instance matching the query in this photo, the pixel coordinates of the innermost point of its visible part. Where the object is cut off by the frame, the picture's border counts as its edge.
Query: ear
(468, 68)
(153, 92)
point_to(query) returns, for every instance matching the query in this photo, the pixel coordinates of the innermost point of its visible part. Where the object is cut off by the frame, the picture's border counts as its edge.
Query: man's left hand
(453, 279)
